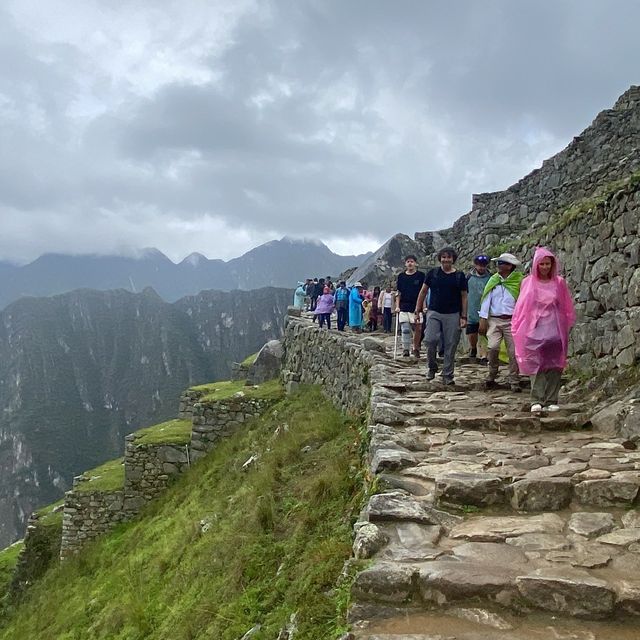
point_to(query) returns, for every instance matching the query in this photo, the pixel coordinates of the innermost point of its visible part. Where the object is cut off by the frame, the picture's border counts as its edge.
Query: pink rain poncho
(542, 318)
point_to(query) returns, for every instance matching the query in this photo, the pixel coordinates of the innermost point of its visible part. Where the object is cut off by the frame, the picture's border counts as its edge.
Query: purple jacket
(325, 304)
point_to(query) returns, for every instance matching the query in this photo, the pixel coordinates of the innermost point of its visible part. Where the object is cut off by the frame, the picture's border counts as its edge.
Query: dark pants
(342, 318)
(439, 326)
(325, 317)
(545, 387)
(386, 319)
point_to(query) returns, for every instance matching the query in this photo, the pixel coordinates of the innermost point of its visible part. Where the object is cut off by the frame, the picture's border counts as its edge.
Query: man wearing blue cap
(477, 281)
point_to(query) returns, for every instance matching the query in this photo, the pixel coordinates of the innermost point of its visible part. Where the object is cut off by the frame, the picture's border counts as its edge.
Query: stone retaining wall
(149, 468)
(332, 360)
(215, 420)
(88, 515)
(187, 400)
(40, 551)
(606, 151)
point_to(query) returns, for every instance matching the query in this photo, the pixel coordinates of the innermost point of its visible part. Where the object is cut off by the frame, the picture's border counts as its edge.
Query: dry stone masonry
(485, 511)
(149, 468)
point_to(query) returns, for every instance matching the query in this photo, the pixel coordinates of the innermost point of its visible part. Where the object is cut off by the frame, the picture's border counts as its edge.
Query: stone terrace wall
(332, 360)
(606, 151)
(41, 549)
(88, 515)
(149, 468)
(215, 420)
(600, 251)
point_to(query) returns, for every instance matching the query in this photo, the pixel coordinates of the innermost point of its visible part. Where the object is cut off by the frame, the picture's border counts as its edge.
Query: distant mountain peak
(194, 259)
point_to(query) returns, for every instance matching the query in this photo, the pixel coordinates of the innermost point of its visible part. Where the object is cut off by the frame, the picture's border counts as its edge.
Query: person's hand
(396, 310)
(484, 325)
(417, 311)
(463, 323)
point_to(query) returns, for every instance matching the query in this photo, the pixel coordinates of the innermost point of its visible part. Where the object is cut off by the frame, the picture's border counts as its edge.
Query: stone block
(549, 494)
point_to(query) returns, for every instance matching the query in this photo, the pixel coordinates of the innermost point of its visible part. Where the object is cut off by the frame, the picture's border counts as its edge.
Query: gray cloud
(229, 124)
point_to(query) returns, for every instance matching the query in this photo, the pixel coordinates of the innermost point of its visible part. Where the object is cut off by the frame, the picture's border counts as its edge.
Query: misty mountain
(80, 370)
(279, 263)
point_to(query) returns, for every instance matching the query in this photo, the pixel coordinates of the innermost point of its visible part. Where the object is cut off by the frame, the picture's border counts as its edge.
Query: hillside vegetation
(226, 549)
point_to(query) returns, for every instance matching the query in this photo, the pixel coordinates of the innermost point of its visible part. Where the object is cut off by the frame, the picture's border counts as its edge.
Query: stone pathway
(486, 511)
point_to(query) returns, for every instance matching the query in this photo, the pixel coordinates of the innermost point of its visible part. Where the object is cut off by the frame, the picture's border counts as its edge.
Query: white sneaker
(536, 407)
(553, 407)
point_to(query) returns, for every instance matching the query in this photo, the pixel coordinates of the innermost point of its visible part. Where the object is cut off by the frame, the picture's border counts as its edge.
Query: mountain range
(279, 263)
(80, 370)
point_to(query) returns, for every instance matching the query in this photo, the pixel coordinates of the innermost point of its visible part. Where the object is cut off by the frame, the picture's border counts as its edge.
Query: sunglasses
(499, 262)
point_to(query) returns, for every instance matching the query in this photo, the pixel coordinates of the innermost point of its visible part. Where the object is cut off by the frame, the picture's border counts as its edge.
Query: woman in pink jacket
(542, 319)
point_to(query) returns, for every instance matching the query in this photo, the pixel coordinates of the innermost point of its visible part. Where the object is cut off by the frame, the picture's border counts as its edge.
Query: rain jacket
(542, 318)
(355, 308)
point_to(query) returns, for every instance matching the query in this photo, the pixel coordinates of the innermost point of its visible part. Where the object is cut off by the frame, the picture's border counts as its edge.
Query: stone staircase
(492, 522)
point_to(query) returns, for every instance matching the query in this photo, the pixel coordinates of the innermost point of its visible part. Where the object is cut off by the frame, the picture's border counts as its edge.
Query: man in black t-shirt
(447, 313)
(408, 286)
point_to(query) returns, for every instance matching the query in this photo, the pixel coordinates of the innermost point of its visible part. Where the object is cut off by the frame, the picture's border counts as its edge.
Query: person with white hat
(496, 310)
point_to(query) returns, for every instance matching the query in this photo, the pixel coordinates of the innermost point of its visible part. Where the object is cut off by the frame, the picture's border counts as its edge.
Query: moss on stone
(8, 562)
(170, 432)
(107, 477)
(51, 514)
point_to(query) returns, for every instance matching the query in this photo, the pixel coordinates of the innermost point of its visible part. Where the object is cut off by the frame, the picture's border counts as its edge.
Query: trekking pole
(395, 340)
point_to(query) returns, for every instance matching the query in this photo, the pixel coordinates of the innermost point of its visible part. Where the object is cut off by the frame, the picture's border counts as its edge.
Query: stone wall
(215, 420)
(337, 362)
(149, 468)
(187, 400)
(88, 515)
(606, 151)
(600, 251)
(40, 551)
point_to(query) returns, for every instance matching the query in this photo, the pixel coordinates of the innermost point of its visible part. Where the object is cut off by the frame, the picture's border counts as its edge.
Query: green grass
(107, 477)
(8, 561)
(49, 515)
(278, 537)
(249, 360)
(171, 432)
(215, 391)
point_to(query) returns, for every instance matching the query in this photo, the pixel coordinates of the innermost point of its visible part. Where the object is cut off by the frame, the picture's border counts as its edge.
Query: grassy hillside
(225, 549)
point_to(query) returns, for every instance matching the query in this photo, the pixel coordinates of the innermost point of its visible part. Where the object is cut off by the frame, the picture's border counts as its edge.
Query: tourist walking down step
(542, 319)
(496, 310)
(355, 308)
(477, 281)
(446, 314)
(386, 302)
(341, 301)
(408, 287)
(325, 307)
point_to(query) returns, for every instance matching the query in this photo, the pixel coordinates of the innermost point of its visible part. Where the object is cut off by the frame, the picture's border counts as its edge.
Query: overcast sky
(214, 126)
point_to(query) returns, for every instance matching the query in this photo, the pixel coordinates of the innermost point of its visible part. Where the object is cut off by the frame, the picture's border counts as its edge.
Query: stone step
(581, 564)
(470, 622)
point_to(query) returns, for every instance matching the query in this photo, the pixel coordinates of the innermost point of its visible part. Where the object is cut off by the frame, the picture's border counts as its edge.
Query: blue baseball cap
(482, 259)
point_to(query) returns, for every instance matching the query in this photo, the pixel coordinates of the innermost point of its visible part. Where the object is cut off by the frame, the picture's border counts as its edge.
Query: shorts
(472, 328)
(406, 316)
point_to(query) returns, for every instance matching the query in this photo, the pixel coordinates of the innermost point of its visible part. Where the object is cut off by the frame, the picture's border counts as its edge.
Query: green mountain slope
(225, 549)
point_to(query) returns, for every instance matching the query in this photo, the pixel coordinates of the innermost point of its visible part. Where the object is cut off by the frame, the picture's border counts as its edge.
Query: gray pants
(446, 325)
(545, 387)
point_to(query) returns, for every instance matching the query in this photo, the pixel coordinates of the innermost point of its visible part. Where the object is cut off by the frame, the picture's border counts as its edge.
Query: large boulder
(267, 364)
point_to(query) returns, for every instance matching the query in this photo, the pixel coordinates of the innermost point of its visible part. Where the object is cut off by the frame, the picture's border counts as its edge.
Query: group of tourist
(531, 316)
(528, 316)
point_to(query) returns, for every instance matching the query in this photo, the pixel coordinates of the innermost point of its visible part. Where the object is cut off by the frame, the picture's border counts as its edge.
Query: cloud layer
(214, 126)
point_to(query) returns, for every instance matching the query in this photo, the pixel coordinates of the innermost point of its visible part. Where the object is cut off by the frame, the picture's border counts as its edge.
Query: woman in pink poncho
(541, 321)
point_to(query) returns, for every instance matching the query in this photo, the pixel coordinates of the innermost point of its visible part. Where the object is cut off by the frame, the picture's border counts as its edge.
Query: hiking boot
(535, 408)
(449, 382)
(483, 361)
(405, 353)
(416, 354)
(431, 374)
(515, 388)
(490, 384)
(473, 353)
(553, 407)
